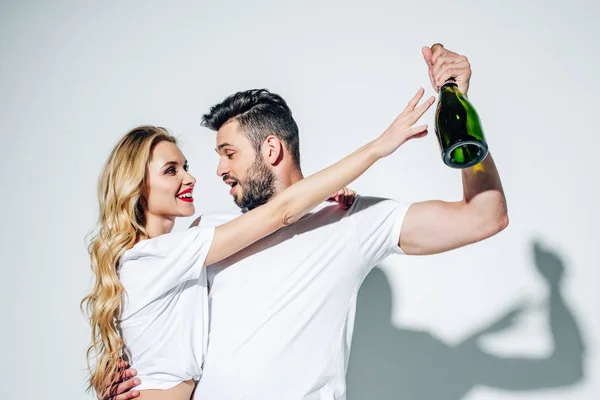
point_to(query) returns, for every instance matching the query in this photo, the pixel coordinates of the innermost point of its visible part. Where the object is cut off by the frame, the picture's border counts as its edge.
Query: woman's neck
(157, 225)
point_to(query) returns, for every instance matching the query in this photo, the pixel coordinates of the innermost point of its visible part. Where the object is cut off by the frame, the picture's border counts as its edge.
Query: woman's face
(169, 185)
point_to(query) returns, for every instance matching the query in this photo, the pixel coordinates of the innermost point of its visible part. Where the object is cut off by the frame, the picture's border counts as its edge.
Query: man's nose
(222, 168)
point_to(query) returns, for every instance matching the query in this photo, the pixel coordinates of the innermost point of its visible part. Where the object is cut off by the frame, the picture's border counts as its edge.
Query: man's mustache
(225, 177)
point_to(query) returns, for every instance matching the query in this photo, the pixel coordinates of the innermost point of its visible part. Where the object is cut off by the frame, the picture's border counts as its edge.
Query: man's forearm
(482, 190)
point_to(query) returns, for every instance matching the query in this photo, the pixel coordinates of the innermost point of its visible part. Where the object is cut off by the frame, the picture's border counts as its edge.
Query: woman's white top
(165, 309)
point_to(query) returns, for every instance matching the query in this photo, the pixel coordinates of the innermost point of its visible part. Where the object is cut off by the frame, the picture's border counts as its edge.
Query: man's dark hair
(259, 113)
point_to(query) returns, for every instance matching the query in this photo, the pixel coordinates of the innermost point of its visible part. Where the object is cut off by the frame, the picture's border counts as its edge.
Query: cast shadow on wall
(387, 362)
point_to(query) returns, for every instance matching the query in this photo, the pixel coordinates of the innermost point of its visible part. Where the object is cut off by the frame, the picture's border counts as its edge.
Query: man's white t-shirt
(282, 310)
(165, 308)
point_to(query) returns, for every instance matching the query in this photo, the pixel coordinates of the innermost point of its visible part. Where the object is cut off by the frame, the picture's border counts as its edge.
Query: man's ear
(272, 150)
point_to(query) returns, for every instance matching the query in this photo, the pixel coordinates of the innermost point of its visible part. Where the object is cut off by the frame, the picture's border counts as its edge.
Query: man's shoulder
(364, 202)
(219, 217)
(370, 211)
(365, 209)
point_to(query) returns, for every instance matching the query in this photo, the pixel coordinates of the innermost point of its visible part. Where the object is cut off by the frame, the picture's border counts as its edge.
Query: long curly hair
(121, 224)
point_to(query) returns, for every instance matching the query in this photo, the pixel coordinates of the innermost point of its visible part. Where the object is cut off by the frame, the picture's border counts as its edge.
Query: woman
(149, 300)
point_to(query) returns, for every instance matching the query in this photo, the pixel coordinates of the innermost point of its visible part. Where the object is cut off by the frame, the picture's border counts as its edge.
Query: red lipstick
(187, 199)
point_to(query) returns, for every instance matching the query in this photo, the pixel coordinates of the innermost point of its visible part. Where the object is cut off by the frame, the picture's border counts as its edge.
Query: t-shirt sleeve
(165, 262)
(377, 223)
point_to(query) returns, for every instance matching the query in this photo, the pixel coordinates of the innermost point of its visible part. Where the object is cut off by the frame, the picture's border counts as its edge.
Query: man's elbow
(503, 222)
(494, 224)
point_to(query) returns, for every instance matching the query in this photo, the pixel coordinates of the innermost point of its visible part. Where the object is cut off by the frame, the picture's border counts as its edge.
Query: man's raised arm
(432, 227)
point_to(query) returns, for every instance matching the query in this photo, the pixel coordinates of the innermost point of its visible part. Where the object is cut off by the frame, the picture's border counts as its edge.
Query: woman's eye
(171, 171)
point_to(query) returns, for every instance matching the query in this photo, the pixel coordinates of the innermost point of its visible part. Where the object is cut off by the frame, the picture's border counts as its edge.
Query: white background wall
(75, 76)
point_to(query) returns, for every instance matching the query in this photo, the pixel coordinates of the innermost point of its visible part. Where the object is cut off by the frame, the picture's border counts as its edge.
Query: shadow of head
(548, 264)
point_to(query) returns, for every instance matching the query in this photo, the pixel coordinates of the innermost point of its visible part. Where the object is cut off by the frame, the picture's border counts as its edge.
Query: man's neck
(284, 182)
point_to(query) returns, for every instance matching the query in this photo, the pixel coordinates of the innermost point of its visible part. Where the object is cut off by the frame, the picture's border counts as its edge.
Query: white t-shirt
(165, 308)
(282, 313)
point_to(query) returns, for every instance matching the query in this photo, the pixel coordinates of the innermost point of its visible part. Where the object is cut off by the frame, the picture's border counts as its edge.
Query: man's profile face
(251, 181)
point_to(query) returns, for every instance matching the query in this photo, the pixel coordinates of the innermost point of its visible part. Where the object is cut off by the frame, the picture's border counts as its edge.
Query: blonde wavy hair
(121, 224)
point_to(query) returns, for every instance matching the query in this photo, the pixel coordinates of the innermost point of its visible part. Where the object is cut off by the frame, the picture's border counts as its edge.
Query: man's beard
(258, 187)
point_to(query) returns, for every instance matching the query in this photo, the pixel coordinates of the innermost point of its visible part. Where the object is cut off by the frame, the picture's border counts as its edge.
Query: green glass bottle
(458, 129)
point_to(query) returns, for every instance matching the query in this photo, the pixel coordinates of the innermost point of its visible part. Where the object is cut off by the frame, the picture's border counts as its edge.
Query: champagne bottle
(458, 128)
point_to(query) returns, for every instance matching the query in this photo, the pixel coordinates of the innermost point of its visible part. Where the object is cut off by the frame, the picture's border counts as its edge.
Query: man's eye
(230, 155)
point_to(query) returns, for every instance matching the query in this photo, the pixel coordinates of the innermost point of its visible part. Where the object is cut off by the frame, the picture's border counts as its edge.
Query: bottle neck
(449, 83)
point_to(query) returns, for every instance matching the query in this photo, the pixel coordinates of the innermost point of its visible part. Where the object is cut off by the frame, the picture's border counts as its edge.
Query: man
(282, 310)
